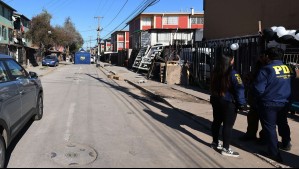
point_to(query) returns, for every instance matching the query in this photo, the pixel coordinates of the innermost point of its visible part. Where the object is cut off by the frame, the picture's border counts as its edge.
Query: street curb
(148, 92)
(48, 72)
(100, 66)
(190, 115)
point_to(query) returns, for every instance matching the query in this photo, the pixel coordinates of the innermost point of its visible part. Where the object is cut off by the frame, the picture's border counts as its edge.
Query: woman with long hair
(227, 96)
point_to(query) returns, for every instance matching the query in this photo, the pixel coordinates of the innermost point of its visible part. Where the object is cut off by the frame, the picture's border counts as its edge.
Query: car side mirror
(33, 75)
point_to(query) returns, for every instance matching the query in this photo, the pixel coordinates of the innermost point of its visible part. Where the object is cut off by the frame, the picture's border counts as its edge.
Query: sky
(83, 12)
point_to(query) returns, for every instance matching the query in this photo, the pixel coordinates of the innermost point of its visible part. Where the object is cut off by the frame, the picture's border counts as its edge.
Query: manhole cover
(73, 155)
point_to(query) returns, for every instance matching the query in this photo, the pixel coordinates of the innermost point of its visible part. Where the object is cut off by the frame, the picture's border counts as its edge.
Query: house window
(121, 37)
(120, 45)
(7, 14)
(10, 34)
(25, 23)
(147, 21)
(197, 20)
(4, 32)
(170, 20)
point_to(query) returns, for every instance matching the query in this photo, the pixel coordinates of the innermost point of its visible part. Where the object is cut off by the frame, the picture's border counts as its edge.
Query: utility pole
(99, 33)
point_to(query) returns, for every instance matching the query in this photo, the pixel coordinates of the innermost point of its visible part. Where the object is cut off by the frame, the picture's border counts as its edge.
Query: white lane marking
(69, 124)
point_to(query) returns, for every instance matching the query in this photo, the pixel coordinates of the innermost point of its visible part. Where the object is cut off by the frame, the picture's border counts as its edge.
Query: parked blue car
(50, 61)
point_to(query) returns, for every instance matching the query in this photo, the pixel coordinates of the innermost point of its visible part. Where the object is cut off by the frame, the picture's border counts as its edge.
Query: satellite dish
(13, 18)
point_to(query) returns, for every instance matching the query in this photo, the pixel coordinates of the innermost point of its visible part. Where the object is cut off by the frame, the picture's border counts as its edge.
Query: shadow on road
(200, 124)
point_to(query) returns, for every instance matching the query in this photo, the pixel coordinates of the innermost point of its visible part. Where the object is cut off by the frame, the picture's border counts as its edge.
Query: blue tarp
(82, 58)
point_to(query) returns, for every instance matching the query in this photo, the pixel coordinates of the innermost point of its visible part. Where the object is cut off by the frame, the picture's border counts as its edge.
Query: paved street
(90, 121)
(194, 103)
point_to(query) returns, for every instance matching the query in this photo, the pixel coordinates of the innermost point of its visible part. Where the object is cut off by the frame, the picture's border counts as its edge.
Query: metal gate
(206, 53)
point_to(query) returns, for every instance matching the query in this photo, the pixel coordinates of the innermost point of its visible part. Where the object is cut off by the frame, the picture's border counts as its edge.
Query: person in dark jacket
(272, 88)
(227, 97)
(253, 115)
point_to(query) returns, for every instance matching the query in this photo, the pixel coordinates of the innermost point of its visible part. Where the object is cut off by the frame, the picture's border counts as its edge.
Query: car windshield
(51, 57)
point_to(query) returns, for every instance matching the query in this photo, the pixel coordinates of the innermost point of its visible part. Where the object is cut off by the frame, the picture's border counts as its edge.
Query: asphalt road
(90, 121)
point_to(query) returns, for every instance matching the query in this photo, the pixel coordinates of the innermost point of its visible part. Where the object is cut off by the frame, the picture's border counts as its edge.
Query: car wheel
(2, 152)
(39, 108)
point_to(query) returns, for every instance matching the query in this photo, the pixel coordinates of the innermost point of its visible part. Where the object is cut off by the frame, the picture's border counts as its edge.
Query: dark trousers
(253, 119)
(224, 112)
(271, 116)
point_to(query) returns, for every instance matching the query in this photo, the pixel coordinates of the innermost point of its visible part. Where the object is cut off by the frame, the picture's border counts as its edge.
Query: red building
(140, 25)
(106, 46)
(120, 40)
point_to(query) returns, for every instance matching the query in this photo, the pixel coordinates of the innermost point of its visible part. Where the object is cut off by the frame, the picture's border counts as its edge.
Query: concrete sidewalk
(195, 104)
(44, 70)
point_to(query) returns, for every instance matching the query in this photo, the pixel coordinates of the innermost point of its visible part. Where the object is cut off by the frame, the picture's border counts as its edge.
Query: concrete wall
(229, 18)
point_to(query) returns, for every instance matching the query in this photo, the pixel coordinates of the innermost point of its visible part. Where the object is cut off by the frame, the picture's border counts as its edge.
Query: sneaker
(216, 146)
(286, 147)
(229, 153)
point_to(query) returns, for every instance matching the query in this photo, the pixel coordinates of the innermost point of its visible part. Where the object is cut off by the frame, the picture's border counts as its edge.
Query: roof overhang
(6, 5)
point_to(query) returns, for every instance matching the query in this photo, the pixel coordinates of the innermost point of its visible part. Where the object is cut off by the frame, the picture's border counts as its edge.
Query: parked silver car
(21, 99)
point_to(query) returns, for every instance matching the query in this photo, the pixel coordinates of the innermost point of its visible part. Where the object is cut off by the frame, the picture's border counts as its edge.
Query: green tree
(74, 40)
(40, 29)
(45, 36)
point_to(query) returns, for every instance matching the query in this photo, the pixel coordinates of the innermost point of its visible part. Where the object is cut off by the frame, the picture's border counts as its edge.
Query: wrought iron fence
(291, 57)
(205, 56)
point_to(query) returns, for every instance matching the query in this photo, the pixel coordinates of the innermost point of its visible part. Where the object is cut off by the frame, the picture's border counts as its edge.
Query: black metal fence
(291, 58)
(205, 54)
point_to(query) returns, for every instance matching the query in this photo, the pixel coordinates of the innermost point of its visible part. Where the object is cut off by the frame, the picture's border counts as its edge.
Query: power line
(91, 30)
(104, 5)
(113, 2)
(117, 14)
(140, 5)
(63, 5)
(141, 8)
(10, 1)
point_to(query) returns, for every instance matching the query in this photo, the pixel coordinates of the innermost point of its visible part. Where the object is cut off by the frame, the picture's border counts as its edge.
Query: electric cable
(141, 8)
(117, 14)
